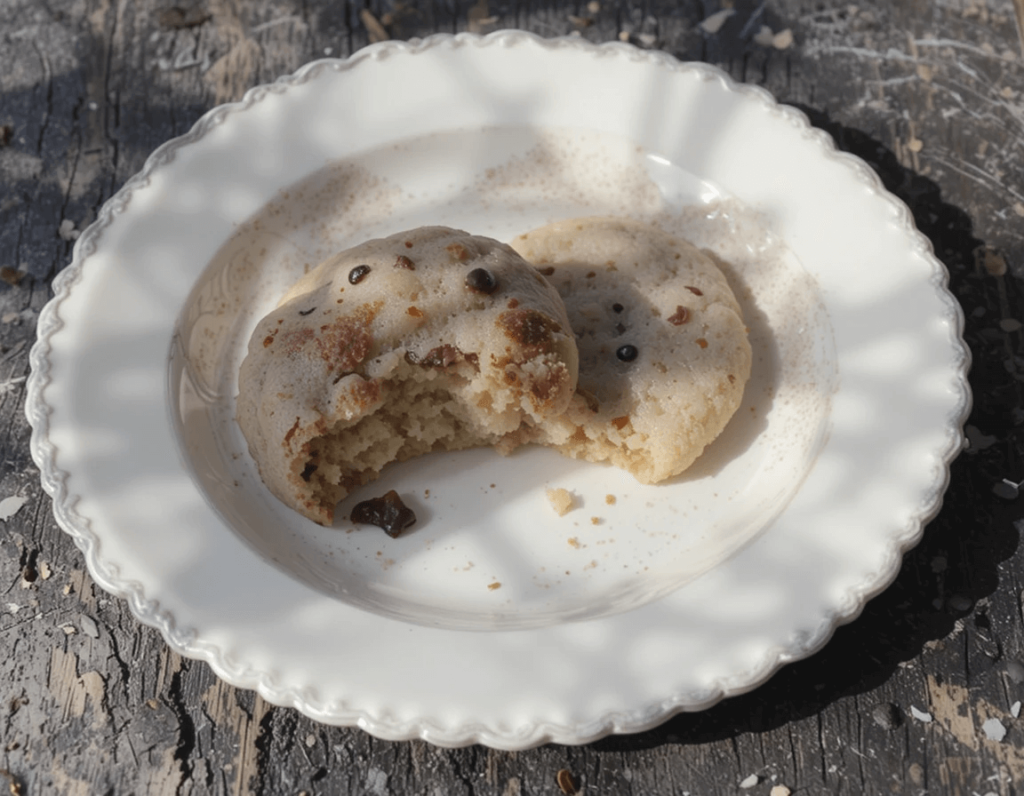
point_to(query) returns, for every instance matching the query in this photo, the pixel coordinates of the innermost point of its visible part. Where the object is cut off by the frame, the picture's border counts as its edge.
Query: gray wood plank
(927, 93)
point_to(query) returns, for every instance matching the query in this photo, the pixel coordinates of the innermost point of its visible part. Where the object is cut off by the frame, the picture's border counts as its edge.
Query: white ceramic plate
(495, 621)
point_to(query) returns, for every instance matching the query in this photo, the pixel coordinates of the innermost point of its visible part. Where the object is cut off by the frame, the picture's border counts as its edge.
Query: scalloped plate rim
(184, 641)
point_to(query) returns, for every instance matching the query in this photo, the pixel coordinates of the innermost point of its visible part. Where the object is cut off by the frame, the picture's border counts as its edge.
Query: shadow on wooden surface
(946, 579)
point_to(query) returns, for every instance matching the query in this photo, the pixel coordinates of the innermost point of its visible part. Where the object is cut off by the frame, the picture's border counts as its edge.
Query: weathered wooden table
(930, 94)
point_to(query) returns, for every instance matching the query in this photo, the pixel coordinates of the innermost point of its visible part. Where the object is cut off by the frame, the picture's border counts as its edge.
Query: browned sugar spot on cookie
(695, 290)
(550, 386)
(357, 274)
(579, 436)
(620, 422)
(513, 303)
(457, 251)
(346, 342)
(404, 262)
(291, 432)
(732, 379)
(591, 274)
(679, 317)
(702, 342)
(295, 339)
(365, 393)
(547, 270)
(408, 244)
(415, 312)
(443, 356)
(530, 329)
(268, 340)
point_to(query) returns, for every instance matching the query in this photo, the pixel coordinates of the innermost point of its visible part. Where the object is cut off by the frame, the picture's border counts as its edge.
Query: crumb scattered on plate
(493, 586)
(609, 499)
(561, 500)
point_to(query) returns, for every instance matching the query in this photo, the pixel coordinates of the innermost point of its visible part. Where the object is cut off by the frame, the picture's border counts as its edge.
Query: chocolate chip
(627, 353)
(355, 276)
(619, 328)
(307, 471)
(695, 290)
(387, 512)
(547, 270)
(307, 312)
(404, 262)
(617, 308)
(480, 280)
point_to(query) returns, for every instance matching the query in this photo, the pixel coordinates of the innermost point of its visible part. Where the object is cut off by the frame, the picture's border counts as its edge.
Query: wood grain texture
(928, 93)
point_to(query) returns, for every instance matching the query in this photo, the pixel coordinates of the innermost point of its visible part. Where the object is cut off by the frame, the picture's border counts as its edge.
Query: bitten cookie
(426, 340)
(663, 348)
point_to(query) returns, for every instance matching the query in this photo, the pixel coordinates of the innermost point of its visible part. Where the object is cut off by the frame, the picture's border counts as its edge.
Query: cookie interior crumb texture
(664, 354)
(426, 340)
(561, 500)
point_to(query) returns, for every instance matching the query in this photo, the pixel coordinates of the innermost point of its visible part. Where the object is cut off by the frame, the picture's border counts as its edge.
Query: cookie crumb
(561, 500)
(595, 520)
(574, 542)
(493, 586)
(609, 499)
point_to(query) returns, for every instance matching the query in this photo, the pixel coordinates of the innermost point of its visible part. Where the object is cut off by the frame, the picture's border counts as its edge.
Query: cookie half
(431, 339)
(664, 355)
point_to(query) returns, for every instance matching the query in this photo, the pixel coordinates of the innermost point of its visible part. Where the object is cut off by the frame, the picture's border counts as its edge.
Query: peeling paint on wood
(74, 693)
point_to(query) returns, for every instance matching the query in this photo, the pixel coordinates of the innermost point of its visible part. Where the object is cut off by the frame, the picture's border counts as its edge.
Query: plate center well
(488, 551)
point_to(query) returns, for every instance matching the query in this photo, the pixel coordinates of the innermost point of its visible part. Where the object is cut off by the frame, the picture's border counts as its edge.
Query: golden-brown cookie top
(464, 312)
